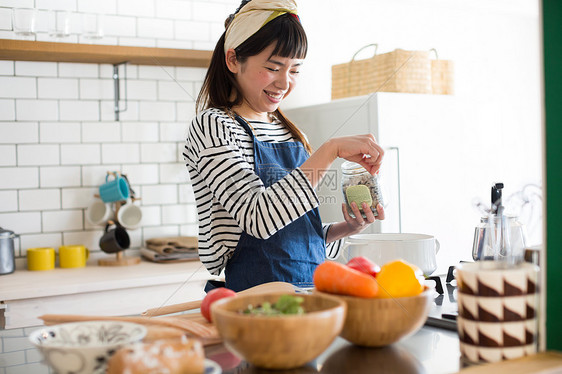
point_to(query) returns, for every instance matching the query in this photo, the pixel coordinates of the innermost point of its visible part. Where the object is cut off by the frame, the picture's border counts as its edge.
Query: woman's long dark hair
(220, 89)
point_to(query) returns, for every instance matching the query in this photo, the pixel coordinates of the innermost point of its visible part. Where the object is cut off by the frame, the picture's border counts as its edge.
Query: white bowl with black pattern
(84, 347)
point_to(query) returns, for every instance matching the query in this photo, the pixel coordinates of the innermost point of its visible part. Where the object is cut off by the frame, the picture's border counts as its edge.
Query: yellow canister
(40, 258)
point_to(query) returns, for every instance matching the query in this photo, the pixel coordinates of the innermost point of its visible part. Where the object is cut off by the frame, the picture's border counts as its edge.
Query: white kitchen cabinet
(445, 162)
(98, 290)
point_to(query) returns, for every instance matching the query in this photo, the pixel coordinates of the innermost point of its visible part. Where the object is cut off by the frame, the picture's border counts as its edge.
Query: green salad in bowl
(285, 305)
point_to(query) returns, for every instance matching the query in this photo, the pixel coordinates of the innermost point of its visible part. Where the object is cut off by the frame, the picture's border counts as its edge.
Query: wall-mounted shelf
(20, 50)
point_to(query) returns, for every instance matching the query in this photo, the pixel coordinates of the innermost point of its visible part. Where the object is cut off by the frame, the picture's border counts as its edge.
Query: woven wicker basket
(396, 71)
(442, 76)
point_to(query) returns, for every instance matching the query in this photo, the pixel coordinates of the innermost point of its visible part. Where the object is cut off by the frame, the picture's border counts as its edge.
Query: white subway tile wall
(36, 69)
(59, 132)
(59, 137)
(7, 110)
(73, 110)
(17, 3)
(98, 6)
(38, 154)
(5, 19)
(17, 88)
(173, 173)
(57, 88)
(40, 240)
(8, 201)
(119, 26)
(7, 155)
(19, 132)
(34, 110)
(59, 176)
(56, 4)
(40, 199)
(75, 70)
(7, 67)
(174, 9)
(136, 8)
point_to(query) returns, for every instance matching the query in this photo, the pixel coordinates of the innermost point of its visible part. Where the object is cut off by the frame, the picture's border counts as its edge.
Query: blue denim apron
(292, 253)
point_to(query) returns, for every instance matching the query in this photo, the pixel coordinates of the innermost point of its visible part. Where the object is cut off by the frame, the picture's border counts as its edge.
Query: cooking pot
(7, 261)
(417, 249)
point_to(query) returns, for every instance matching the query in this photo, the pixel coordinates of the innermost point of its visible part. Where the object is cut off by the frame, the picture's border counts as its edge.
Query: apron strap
(245, 125)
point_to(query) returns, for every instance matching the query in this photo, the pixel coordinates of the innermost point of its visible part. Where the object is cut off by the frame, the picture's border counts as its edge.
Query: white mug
(417, 249)
(98, 213)
(129, 215)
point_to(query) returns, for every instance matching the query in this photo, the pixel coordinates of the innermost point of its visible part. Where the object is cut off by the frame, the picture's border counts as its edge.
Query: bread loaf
(181, 356)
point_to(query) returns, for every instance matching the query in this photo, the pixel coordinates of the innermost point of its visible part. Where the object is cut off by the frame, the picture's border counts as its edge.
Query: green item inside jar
(359, 194)
(285, 305)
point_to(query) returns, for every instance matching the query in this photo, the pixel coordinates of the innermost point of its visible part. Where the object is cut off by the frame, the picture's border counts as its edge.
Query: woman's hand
(358, 224)
(355, 225)
(362, 149)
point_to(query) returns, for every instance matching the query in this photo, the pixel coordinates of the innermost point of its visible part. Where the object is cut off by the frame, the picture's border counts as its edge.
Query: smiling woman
(264, 80)
(253, 171)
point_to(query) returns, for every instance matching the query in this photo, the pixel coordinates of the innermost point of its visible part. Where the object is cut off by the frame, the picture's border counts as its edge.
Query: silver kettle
(7, 255)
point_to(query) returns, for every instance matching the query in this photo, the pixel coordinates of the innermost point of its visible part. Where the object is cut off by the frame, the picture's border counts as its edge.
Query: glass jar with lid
(359, 186)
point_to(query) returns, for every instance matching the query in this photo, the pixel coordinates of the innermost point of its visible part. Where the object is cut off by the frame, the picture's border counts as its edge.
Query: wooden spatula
(256, 290)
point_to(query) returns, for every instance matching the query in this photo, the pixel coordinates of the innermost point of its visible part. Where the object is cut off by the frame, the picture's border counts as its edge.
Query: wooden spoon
(256, 290)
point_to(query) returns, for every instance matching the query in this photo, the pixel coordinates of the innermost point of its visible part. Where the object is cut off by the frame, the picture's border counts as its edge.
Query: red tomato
(364, 265)
(211, 297)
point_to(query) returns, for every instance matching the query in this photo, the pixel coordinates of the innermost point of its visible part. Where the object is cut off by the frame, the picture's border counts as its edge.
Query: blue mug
(114, 190)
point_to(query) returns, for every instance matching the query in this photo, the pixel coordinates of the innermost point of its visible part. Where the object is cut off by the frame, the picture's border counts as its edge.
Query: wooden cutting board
(192, 324)
(542, 363)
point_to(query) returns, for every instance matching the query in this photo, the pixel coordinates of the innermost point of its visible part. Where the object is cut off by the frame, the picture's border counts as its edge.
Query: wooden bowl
(279, 342)
(375, 322)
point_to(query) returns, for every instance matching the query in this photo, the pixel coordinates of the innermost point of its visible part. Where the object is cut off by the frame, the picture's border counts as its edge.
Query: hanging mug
(98, 213)
(129, 215)
(114, 190)
(114, 240)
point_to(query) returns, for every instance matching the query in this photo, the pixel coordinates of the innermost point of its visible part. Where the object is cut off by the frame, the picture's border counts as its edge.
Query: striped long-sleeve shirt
(230, 197)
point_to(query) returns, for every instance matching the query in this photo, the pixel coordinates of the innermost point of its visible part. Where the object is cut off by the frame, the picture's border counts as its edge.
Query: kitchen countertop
(431, 350)
(24, 284)
(97, 290)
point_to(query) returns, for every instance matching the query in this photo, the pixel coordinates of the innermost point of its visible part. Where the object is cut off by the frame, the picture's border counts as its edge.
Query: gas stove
(444, 311)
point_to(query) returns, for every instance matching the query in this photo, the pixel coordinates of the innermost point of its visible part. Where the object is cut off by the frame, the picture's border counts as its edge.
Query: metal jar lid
(352, 168)
(5, 233)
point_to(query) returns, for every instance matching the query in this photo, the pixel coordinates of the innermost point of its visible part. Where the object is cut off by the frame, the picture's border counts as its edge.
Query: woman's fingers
(380, 211)
(370, 217)
(362, 149)
(374, 159)
(377, 153)
(358, 217)
(346, 215)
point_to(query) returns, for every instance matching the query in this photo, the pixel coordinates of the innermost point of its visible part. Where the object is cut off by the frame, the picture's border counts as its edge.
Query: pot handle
(437, 246)
(347, 242)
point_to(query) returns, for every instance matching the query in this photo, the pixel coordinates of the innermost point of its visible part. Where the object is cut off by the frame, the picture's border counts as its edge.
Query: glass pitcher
(499, 238)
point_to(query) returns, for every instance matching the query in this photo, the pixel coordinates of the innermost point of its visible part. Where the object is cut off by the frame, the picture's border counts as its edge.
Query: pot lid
(5, 233)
